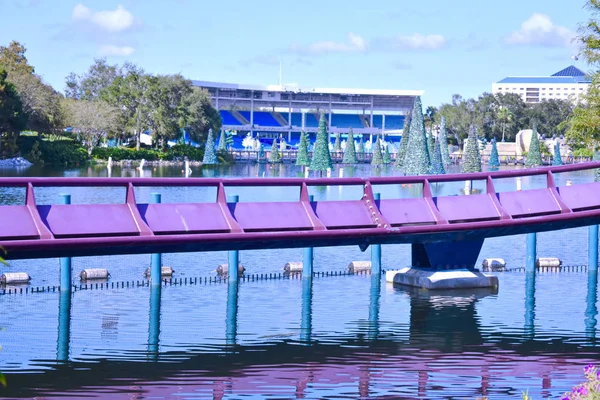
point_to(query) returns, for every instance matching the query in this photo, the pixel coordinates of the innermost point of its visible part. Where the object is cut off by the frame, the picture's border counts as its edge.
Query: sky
(439, 46)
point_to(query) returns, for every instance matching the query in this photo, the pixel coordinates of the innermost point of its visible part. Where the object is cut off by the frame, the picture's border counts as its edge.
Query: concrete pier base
(445, 279)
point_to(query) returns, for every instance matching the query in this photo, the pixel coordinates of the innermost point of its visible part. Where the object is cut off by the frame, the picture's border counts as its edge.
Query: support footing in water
(448, 279)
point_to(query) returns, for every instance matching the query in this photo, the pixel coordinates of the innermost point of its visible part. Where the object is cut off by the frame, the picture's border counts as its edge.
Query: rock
(16, 162)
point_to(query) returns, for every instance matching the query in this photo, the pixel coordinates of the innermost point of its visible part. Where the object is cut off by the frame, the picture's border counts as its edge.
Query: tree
(93, 84)
(302, 156)
(387, 157)
(430, 144)
(275, 156)
(13, 59)
(361, 145)
(504, 117)
(350, 151)
(494, 162)
(200, 115)
(377, 159)
(92, 120)
(401, 155)
(557, 159)
(209, 150)
(12, 117)
(222, 142)
(472, 160)
(589, 34)
(321, 160)
(437, 166)
(534, 155)
(337, 146)
(429, 117)
(444, 142)
(417, 157)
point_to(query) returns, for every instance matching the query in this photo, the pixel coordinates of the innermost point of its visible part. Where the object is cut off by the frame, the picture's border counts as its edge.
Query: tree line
(107, 101)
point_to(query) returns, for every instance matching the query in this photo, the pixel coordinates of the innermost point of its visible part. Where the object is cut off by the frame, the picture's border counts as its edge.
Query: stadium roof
(569, 75)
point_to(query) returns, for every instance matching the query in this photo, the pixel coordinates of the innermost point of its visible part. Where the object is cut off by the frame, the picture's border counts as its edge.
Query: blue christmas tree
(557, 158)
(417, 156)
(443, 139)
(437, 166)
(210, 156)
(494, 162)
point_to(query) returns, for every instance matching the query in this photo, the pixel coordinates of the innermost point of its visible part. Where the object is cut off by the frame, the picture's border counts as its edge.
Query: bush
(123, 153)
(58, 152)
(583, 153)
(180, 151)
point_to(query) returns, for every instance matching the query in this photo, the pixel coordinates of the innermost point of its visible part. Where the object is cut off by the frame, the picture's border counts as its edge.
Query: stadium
(284, 111)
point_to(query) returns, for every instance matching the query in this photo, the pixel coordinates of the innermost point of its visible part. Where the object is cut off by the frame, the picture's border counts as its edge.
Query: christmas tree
(350, 153)
(361, 145)
(209, 150)
(377, 156)
(417, 157)
(443, 139)
(557, 158)
(387, 158)
(494, 162)
(282, 145)
(534, 156)
(437, 166)
(275, 156)
(337, 146)
(321, 160)
(403, 143)
(472, 159)
(222, 142)
(430, 144)
(596, 157)
(302, 156)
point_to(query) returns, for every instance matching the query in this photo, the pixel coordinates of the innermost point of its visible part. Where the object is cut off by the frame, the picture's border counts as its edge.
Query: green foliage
(361, 145)
(387, 158)
(430, 144)
(63, 152)
(534, 155)
(596, 157)
(494, 162)
(321, 160)
(337, 146)
(443, 139)
(472, 158)
(123, 153)
(12, 117)
(302, 156)
(209, 150)
(35, 155)
(222, 142)
(181, 151)
(557, 159)
(437, 166)
(401, 155)
(275, 156)
(417, 157)
(350, 151)
(377, 156)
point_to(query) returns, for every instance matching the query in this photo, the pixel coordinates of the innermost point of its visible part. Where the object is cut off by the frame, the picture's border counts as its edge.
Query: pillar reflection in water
(64, 326)
(529, 304)
(591, 310)
(374, 297)
(231, 315)
(306, 322)
(154, 322)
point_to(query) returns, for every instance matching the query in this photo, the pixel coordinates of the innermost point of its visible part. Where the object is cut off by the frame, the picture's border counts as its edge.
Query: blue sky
(438, 46)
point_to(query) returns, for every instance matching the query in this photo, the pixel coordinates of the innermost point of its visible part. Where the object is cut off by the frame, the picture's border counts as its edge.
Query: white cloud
(540, 30)
(119, 51)
(415, 41)
(112, 21)
(354, 44)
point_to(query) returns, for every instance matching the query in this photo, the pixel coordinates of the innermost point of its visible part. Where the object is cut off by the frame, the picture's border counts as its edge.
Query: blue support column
(231, 315)
(593, 248)
(64, 326)
(156, 263)
(154, 322)
(591, 311)
(308, 255)
(531, 252)
(306, 322)
(376, 248)
(65, 262)
(233, 256)
(374, 297)
(530, 304)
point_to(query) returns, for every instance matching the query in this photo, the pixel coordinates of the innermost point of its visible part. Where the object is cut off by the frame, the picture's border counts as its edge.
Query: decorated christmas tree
(222, 147)
(209, 150)
(417, 157)
(321, 160)
(403, 143)
(557, 158)
(437, 166)
(443, 139)
(472, 159)
(387, 158)
(350, 152)
(377, 156)
(302, 156)
(337, 146)
(534, 156)
(494, 162)
(430, 144)
(275, 156)
(361, 145)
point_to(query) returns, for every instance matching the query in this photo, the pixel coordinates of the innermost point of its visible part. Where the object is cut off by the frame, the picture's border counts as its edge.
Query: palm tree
(430, 116)
(505, 117)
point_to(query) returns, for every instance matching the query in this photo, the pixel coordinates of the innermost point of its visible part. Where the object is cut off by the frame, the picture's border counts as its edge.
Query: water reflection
(64, 326)
(591, 310)
(306, 321)
(232, 313)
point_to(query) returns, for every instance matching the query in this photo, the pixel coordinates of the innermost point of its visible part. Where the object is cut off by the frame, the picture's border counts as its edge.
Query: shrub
(122, 153)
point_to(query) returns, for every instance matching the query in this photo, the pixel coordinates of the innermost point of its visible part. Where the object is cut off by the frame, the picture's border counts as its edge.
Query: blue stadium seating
(311, 120)
(228, 119)
(394, 122)
(346, 121)
(261, 118)
(378, 120)
(296, 119)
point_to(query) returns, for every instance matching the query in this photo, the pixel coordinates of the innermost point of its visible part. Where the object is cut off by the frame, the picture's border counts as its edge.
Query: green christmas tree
(401, 155)
(472, 158)
(222, 142)
(361, 145)
(275, 156)
(321, 160)
(443, 139)
(494, 162)
(557, 158)
(387, 157)
(302, 156)
(417, 157)
(437, 166)
(209, 150)
(596, 157)
(534, 156)
(377, 156)
(350, 151)
(337, 146)
(430, 145)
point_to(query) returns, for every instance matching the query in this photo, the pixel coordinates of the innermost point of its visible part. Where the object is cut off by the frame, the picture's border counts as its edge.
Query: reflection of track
(34, 231)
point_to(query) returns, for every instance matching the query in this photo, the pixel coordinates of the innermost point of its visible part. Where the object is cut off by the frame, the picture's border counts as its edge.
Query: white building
(566, 84)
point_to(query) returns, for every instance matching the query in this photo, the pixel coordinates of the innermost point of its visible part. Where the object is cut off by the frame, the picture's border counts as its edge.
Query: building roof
(569, 75)
(571, 70)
